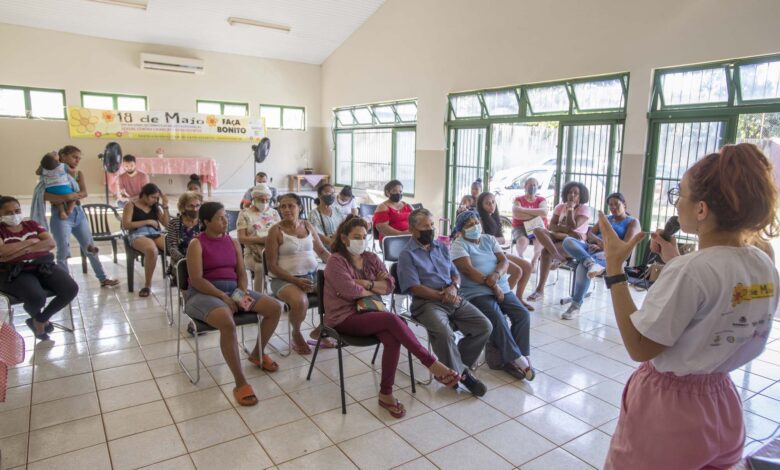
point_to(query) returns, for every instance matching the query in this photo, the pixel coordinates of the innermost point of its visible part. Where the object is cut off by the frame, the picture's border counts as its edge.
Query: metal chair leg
(341, 380)
(72, 325)
(314, 357)
(196, 379)
(376, 351)
(411, 371)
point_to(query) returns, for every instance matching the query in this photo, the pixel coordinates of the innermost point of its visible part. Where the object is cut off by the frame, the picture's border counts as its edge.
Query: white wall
(427, 49)
(48, 59)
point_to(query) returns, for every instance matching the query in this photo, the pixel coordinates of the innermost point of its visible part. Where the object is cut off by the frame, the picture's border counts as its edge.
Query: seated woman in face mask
(354, 280)
(324, 218)
(184, 227)
(392, 216)
(253, 225)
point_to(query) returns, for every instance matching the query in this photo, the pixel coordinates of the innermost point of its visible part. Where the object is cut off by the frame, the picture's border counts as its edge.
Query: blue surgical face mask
(473, 232)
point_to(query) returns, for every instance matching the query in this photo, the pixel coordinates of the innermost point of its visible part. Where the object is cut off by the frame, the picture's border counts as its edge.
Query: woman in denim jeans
(77, 223)
(589, 255)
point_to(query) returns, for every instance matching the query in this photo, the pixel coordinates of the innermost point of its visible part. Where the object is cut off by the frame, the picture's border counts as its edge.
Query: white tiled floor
(113, 395)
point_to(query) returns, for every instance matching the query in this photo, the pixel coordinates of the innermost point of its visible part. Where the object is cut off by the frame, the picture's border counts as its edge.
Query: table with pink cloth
(205, 167)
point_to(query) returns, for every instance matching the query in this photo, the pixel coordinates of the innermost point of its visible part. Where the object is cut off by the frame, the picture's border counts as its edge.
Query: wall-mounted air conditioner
(172, 64)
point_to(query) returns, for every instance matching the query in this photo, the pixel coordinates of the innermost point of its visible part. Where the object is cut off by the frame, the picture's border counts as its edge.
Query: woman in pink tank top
(217, 275)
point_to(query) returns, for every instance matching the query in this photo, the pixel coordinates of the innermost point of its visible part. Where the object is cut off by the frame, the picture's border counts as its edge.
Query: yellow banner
(162, 125)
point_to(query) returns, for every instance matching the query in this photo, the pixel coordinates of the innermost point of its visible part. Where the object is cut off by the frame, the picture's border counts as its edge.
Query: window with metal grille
(695, 110)
(569, 130)
(283, 117)
(376, 143)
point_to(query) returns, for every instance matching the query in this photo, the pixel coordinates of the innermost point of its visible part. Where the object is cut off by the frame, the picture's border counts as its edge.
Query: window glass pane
(207, 107)
(466, 106)
(231, 109)
(292, 118)
(47, 104)
(501, 103)
(604, 94)
(536, 144)
(131, 103)
(12, 102)
(760, 81)
(345, 117)
(695, 86)
(373, 158)
(407, 111)
(272, 116)
(404, 159)
(97, 102)
(384, 114)
(344, 158)
(549, 99)
(363, 116)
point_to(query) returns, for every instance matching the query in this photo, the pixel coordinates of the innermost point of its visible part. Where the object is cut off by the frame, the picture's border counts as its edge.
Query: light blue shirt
(420, 267)
(483, 259)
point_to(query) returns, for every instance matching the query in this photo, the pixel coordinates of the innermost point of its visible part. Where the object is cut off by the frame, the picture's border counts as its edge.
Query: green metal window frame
(222, 105)
(615, 117)
(398, 125)
(729, 112)
(375, 122)
(28, 101)
(525, 109)
(282, 108)
(115, 98)
(393, 159)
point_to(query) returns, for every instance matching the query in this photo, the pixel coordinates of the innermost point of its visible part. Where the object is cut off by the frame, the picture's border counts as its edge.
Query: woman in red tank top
(392, 216)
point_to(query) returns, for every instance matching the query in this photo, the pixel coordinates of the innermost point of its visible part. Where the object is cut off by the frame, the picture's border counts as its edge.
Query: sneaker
(473, 384)
(109, 282)
(595, 270)
(571, 312)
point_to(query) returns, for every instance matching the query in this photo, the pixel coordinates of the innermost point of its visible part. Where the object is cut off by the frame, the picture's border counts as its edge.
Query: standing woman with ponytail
(709, 312)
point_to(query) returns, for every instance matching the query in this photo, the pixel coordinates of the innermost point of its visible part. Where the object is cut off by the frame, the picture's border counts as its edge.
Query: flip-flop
(144, 292)
(535, 296)
(396, 410)
(528, 306)
(328, 343)
(41, 336)
(266, 363)
(301, 349)
(245, 395)
(454, 379)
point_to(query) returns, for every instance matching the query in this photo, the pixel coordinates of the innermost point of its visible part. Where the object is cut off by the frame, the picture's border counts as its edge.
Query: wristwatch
(457, 286)
(616, 279)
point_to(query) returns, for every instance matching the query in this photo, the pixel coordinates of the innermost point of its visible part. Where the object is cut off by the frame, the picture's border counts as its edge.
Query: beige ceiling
(318, 26)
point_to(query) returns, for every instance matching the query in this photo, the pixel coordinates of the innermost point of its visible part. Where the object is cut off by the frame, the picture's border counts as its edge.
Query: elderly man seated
(426, 272)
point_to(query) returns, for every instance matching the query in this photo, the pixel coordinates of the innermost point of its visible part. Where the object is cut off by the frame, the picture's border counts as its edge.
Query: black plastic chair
(393, 246)
(343, 341)
(367, 210)
(10, 301)
(197, 327)
(417, 205)
(307, 205)
(232, 216)
(100, 224)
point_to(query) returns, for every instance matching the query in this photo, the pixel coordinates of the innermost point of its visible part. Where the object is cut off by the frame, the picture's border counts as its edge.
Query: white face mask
(261, 206)
(12, 220)
(357, 247)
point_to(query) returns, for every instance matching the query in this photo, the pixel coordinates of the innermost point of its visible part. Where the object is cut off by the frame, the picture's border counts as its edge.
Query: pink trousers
(671, 422)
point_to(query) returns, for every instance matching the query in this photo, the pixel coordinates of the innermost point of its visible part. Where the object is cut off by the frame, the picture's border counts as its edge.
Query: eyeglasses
(674, 195)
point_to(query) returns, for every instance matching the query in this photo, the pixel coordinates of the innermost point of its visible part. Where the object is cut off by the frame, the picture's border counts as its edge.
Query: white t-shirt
(712, 309)
(346, 207)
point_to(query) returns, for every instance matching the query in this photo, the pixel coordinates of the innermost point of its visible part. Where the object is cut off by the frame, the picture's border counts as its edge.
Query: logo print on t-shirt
(743, 293)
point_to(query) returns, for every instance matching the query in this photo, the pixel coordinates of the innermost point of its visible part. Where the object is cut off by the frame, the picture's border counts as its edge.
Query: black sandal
(41, 336)
(144, 292)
